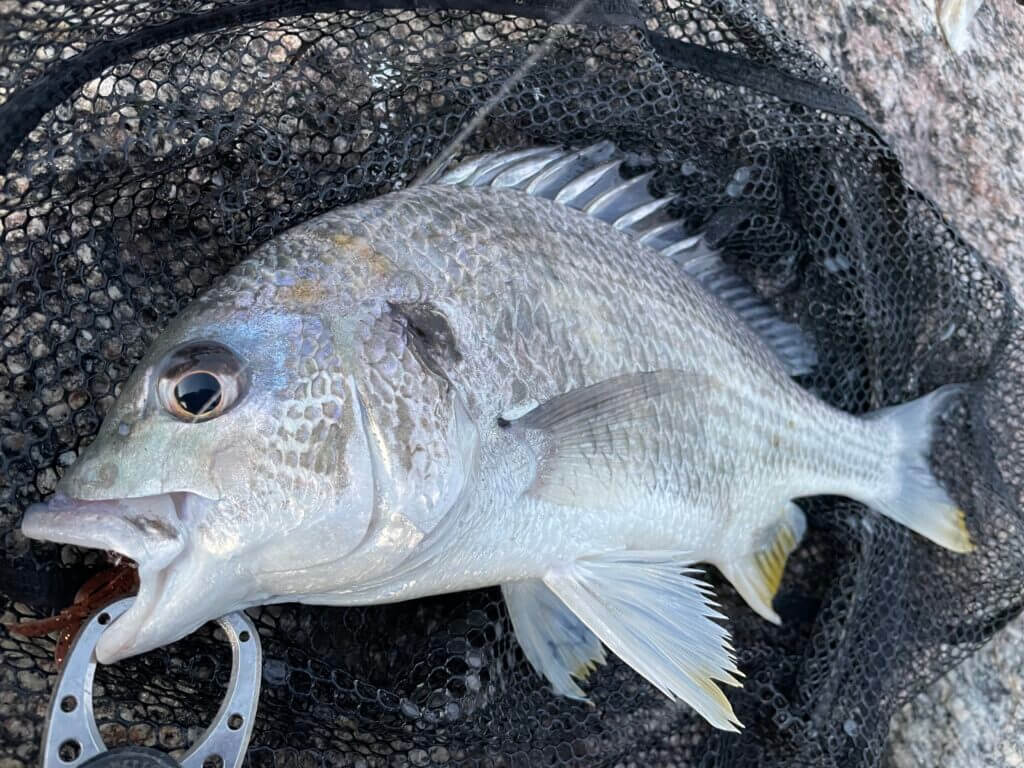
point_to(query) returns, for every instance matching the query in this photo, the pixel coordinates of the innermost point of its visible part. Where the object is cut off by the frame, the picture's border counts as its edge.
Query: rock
(955, 122)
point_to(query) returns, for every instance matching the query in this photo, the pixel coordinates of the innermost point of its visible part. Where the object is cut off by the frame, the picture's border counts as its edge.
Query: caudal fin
(916, 499)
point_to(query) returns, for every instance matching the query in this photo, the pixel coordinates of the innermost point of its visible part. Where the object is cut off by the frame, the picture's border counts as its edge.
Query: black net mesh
(152, 144)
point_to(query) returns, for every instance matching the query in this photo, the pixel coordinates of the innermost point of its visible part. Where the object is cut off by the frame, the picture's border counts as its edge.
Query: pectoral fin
(757, 575)
(657, 617)
(586, 438)
(554, 640)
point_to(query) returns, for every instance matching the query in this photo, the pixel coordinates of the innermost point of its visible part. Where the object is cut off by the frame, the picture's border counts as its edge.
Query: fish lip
(144, 528)
(152, 531)
(121, 639)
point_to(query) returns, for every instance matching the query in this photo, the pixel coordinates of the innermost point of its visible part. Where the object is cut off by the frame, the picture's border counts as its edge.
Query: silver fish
(522, 374)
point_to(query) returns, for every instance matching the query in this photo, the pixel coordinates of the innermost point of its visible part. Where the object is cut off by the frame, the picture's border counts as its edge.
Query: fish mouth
(153, 532)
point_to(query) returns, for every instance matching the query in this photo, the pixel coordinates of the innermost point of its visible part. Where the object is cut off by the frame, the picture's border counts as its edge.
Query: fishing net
(147, 146)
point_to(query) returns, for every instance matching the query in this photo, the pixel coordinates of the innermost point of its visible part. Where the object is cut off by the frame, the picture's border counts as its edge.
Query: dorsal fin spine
(591, 181)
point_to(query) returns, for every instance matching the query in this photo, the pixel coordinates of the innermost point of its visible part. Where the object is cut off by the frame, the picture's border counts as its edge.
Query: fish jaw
(154, 532)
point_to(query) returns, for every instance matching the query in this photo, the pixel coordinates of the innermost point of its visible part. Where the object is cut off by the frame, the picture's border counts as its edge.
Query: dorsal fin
(591, 180)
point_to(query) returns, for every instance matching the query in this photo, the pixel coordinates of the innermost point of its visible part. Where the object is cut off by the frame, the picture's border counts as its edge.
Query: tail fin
(917, 500)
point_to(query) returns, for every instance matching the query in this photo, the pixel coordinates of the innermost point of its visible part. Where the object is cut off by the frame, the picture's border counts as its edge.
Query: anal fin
(757, 575)
(656, 616)
(553, 639)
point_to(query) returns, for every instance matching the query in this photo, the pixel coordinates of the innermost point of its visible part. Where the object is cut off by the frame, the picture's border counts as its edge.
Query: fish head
(260, 452)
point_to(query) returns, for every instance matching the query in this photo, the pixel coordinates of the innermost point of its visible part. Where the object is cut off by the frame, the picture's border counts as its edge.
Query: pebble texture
(957, 124)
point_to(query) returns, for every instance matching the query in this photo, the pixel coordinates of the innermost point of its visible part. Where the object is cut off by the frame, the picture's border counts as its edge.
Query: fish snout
(89, 478)
(180, 587)
(151, 530)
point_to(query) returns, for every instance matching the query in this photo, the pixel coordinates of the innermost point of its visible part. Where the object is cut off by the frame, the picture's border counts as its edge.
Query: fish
(524, 372)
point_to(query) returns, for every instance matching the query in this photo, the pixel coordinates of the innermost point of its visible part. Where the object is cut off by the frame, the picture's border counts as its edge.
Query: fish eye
(198, 393)
(200, 381)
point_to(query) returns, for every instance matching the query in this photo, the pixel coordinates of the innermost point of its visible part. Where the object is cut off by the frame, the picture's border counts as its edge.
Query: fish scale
(464, 384)
(579, 268)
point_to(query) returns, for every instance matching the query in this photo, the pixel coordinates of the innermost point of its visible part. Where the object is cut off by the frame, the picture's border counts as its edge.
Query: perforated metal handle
(71, 736)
